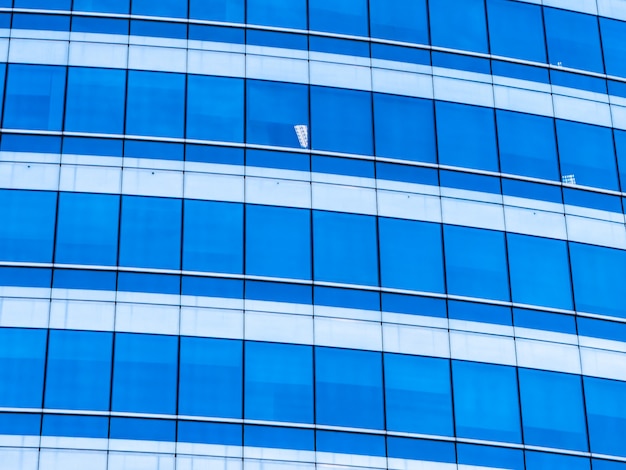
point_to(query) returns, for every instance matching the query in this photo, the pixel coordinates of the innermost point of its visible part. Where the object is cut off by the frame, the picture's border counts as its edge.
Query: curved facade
(332, 234)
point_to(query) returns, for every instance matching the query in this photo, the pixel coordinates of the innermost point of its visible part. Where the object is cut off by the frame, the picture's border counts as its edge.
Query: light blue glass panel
(282, 13)
(545, 461)
(104, 6)
(400, 20)
(218, 10)
(279, 382)
(346, 16)
(78, 373)
(278, 242)
(344, 247)
(486, 402)
(173, 8)
(606, 415)
(614, 46)
(516, 30)
(417, 395)
(459, 25)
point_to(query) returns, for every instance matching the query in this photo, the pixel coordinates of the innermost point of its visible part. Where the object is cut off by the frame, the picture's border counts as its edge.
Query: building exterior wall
(341, 234)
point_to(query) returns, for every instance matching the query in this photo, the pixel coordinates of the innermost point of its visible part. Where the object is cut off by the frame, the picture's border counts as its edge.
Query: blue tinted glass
(347, 16)
(211, 287)
(273, 109)
(104, 6)
(620, 147)
(345, 248)
(150, 232)
(461, 62)
(349, 389)
(552, 409)
(87, 229)
(88, 146)
(592, 199)
(34, 97)
(173, 8)
(348, 298)
(414, 305)
(459, 25)
(82, 279)
(350, 443)
(613, 46)
(466, 136)
(75, 426)
(543, 461)
(278, 242)
(31, 143)
(573, 40)
(279, 292)
(209, 433)
(286, 14)
(22, 357)
(601, 329)
(406, 173)
(215, 108)
(158, 283)
(213, 236)
(527, 145)
(279, 382)
(404, 128)
(210, 377)
(95, 100)
(545, 321)
(25, 277)
(341, 120)
(462, 180)
(343, 166)
(155, 104)
(44, 4)
(540, 272)
(147, 149)
(399, 53)
(486, 402)
(522, 71)
(145, 373)
(143, 429)
(27, 229)
(214, 154)
(282, 160)
(608, 465)
(411, 255)
(79, 370)
(417, 395)
(20, 424)
(577, 80)
(281, 438)
(43, 22)
(471, 311)
(476, 263)
(576, 142)
(606, 415)
(516, 30)
(217, 10)
(485, 457)
(417, 449)
(200, 32)
(99, 25)
(400, 20)
(160, 29)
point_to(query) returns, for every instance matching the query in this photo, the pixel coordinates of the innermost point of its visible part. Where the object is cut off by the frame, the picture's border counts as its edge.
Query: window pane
(155, 104)
(349, 389)
(341, 120)
(400, 20)
(145, 373)
(516, 30)
(545, 461)
(345, 248)
(217, 10)
(210, 377)
(417, 394)
(540, 272)
(87, 229)
(476, 263)
(173, 8)
(573, 40)
(279, 382)
(27, 229)
(44, 4)
(104, 6)
(283, 13)
(614, 46)
(347, 16)
(215, 108)
(486, 401)
(34, 97)
(606, 415)
(411, 255)
(459, 25)
(466, 136)
(273, 109)
(405, 128)
(151, 232)
(278, 242)
(552, 409)
(79, 370)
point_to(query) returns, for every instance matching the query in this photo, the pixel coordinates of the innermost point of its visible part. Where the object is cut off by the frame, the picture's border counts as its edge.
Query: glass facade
(271, 234)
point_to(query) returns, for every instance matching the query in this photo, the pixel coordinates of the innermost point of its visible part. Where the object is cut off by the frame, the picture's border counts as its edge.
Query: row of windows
(502, 27)
(341, 120)
(304, 384)
(136, 231)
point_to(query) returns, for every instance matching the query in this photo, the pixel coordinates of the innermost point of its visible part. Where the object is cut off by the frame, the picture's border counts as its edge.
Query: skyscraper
(312, 234)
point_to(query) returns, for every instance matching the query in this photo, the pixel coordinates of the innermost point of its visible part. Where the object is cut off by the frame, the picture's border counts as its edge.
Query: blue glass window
(210, 377)
(606, 415)
(143, 429)
(215, 108)
(459, 25)
(213, 237)
(286, 14)
(476, 263)
(35, 95)
(150, 232)
(145, 373)
(273, 109)
(79, 370)
(279, 438)
(552, 409)
(486, 401)
(75, 426)
(349, 388)
(87, 229)
(217, 10)
(209, 433)
(466, 136)
(104, 6)
(341, 120)
(344, 247)
(411, 255)
(540, 272)
(545, 461)
(404, 128)
(573, 39)
(173, 8)
(278, 242)
(613, 46)
(44, 4)
(490, 457)
(22, 358)
(155, 104)
(27, 229)
(279, 382)
(400, 20)
(417, 394)
(350, 443)
(346, 17)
